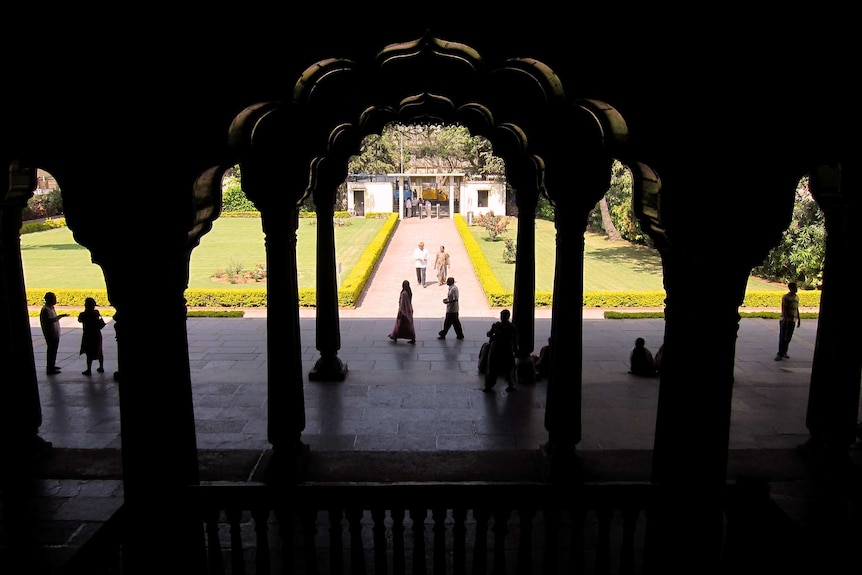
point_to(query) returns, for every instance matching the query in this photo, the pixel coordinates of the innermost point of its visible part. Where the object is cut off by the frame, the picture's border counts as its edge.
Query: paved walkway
(425, 397)
(423, 401)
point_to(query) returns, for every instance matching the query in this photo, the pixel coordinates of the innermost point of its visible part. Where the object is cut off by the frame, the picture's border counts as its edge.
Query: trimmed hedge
(352, 286)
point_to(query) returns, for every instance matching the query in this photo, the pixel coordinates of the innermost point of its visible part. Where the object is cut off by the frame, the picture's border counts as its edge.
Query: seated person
(642, 362)
(542, 362)
(501, 353)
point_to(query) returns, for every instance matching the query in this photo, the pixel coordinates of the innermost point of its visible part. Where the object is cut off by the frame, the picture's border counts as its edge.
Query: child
(91, 338)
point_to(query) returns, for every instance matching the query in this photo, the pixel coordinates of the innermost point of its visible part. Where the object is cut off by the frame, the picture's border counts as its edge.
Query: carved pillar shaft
(20, 406)
(563, 416)
(524, 298)
(286, 407)
(833, 400)
(159, 443)
(328, 367)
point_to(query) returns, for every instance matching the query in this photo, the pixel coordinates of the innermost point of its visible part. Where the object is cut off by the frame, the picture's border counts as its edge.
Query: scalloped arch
(520, 105)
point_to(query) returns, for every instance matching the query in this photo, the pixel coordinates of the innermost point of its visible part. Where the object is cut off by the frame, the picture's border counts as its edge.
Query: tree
(233, 198)
(800, 254)
(437, 147)
(613, 214)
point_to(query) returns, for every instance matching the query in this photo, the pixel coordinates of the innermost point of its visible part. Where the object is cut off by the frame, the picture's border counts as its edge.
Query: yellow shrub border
(352, 286)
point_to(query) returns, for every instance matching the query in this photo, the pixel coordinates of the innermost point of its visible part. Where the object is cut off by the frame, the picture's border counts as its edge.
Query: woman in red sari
(404, 320)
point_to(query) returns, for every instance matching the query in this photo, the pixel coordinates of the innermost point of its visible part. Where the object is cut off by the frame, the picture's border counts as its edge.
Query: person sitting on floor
(542, 362)
(641, 360)
(501, 353)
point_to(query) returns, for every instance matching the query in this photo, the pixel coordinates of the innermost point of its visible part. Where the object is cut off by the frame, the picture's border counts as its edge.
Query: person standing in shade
(501, 353)
(408, 207)
(420, 259)
(452, 320)
(428, 209)
(404, 320)
(49, 319)
(441, 264)
(790, 319)
(91, 335)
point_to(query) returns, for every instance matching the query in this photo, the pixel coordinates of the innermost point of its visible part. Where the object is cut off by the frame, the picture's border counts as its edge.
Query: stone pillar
(285, 393)
(524, 297)
(329, 366)
(156, 408)
(20, 406)
(833, 400)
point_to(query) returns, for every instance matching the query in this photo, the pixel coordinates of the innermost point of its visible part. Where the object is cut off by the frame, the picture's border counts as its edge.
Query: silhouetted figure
(790, 319)
(50, 321)
(503, 341)
(642, 362)
(452, 318)
(542, 362)
(91, 337)
(404, 319)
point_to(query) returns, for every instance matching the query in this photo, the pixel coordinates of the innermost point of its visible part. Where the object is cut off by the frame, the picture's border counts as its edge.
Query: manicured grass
(52, 259)
(241, 241)
(608, 265)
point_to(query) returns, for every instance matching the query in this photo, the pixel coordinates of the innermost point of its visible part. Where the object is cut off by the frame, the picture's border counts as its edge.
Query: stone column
(20, 405)
(833, 400)
(329, 366)
(524, 297)
(285, 393)
(156, 408)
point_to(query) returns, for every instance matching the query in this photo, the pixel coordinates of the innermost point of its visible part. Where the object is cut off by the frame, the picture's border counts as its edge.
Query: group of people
(404, 327)
(643, 363)
(496, 356)
(410, 205)
(421, 256)
(91, 334)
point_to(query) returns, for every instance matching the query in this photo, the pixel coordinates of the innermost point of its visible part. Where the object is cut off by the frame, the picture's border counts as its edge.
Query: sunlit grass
(52, 259)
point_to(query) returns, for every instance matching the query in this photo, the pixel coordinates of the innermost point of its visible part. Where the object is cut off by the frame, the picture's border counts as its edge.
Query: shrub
(43, 205)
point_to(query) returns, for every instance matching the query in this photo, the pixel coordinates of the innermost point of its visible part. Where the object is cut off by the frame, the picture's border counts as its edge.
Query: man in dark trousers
(452, 319)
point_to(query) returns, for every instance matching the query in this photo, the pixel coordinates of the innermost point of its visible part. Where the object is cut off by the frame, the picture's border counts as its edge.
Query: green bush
(48, 224)
(352, 286)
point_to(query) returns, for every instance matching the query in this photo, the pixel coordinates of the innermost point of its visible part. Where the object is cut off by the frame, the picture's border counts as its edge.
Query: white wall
(470, 198)
(378, 196)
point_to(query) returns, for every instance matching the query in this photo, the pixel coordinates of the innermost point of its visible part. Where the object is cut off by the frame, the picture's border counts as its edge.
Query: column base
(328, 368)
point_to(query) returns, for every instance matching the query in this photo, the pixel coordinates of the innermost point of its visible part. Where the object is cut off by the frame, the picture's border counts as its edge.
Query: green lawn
(608, 265)
(52, 259)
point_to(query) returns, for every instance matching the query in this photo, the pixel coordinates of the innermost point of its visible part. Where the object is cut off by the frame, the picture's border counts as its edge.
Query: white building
(448, 194)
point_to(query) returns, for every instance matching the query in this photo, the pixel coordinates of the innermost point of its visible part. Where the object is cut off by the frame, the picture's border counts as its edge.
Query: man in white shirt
(408, 207)
(420, 258)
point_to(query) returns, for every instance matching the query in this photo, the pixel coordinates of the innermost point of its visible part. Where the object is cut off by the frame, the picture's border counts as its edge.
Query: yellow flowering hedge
(352, 286)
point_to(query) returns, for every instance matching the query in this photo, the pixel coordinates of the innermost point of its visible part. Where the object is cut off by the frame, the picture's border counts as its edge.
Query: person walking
(451, 320)
(404, 319)
(91, 336)
(441, 264)
(49, 319)
(501, 354)
(790, 319)
(420, 259)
